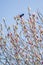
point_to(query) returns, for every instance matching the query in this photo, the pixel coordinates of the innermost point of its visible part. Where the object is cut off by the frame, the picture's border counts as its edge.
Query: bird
(19, 16)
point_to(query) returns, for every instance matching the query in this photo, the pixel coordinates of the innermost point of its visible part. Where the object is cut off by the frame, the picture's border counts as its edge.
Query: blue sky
(10, 8)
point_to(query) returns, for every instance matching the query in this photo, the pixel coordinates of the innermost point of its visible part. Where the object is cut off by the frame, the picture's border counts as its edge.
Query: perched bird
(19, 16)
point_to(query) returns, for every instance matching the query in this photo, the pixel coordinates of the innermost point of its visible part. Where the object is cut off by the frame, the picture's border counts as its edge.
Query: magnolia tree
(23, 45)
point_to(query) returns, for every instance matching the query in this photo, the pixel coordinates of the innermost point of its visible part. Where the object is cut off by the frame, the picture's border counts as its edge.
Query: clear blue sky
(10, 8)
